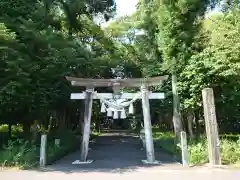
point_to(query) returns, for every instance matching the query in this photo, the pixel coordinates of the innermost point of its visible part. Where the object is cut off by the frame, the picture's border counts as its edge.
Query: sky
(128, 7)
(124, 8)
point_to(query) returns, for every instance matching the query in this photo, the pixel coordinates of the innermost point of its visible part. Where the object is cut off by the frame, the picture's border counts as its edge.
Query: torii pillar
(147, 125)
(87, 124)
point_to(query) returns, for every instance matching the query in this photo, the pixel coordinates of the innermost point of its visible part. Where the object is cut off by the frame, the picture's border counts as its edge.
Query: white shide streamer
(119, 106)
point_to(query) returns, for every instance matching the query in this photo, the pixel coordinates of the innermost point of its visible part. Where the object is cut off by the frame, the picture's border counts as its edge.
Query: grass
(166, 141)
(68, 143)
(23, 154)
(197, 149)
(18, 153)
(230, 151)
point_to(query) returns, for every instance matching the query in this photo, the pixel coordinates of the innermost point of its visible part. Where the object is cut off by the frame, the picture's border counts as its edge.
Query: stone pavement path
(112, 152)
(119, 158)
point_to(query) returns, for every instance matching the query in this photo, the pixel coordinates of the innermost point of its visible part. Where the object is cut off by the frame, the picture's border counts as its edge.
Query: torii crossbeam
(132, 82)
(116, 84)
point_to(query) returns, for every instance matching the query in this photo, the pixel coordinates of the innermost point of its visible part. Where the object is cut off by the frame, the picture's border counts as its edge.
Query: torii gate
(117, 84)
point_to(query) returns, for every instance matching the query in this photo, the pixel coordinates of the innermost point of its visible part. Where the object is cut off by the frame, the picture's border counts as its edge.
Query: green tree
(41, 44)
(176, 22)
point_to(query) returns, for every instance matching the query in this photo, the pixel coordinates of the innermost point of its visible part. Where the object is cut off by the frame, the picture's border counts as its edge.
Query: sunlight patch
(147, 162)
(82, 162)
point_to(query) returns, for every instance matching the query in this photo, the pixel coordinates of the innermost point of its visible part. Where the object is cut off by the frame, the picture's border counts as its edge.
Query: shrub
(198, 150)
(24, 154)
(166, 141)
(68, 143)
(19, 153)
(198, 153)
(229, 149)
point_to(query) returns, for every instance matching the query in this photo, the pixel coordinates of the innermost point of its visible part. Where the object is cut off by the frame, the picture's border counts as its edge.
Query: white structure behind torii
(144, 94)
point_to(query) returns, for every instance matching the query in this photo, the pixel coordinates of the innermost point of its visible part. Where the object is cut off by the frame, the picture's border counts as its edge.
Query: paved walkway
(119, 158)
(112, 152)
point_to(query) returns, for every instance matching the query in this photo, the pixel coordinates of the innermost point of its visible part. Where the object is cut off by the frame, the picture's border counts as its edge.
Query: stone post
(43, 151)
(211, 126)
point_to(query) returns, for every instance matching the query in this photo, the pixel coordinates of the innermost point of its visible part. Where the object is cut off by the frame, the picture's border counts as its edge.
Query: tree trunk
(160, 120)
(196, 121)
(98, 124)
(34, 133)
(177, 123)
(190, 119)
(68, 122)
(10, 131)
(50, 124)
(26, 129)
(62, 120)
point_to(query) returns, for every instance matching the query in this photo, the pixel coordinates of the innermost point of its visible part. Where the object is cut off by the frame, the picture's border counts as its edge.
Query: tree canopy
(201, 48)
(41, 43)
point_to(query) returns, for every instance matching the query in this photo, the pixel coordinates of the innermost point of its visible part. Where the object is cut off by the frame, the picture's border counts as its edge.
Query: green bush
(230, 151)
(163, 135)
(166, 141)
(26, 155)
(198, 150)
(19, 153)
(68, 144)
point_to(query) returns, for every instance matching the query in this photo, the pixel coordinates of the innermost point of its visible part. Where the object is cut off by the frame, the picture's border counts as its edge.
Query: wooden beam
(123, 96)
(211, 126)
(147, 126)
(87, 124)
(131, 82)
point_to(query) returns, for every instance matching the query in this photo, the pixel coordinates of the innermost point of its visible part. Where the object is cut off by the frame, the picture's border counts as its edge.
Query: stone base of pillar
(82, 162)
(151, 163)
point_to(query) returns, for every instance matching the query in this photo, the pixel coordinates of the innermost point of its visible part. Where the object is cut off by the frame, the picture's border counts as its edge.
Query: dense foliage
(200, 48)
(41, 43)
(198, 149)
(24, 154)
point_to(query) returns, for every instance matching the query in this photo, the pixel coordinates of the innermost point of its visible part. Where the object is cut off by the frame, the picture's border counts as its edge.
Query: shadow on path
(112, 152)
